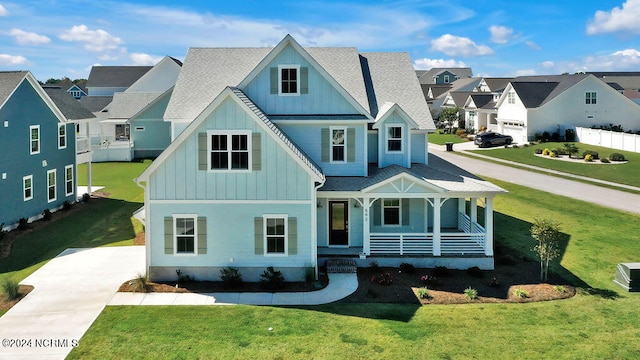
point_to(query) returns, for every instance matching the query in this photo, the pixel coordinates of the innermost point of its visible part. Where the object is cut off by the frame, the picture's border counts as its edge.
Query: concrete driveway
(69, 293)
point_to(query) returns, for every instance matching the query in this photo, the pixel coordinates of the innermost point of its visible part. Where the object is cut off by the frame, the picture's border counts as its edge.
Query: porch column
(89, 177)
(436, 227)
(461, 209)
(488, 224)
(366, 242)
(474, 210)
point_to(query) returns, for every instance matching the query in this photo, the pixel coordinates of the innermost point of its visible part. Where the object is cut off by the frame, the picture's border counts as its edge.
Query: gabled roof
(127, 105)
(480, 99)
(261, 118)
(426, 77)
(115, 76)
(497, 84)
(9, 82)
(389, 108)
(535, 91)
(95, 103)
(68, 105)
(460, 97)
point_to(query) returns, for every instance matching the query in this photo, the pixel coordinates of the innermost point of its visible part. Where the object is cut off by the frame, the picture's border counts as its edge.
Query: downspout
(314, 229)
(147, 230)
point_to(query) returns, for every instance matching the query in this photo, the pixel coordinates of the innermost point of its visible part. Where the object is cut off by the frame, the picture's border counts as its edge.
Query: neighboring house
(76, 92)
(480, 111)
(288, 156)
(131, 125)
(37, 164)
(108, 80)
(442, 76)
(535, 104)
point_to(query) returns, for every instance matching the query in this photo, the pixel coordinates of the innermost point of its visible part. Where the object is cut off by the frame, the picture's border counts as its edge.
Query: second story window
(590, 98)
(62, 136)
(229, 151)
(289, 79)
(34, 131)
(511, 97)
(338, 144)
(394, 139)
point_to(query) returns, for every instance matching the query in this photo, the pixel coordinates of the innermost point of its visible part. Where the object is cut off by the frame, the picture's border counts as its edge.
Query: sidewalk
(340, 286)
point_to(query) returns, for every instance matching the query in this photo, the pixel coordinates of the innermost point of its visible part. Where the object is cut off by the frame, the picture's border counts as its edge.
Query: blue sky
(54, 38)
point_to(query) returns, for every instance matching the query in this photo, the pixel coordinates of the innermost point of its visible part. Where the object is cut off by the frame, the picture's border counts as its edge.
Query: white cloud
(28, 38)
(12, 59)
(548, 64)
(3, 11)
(93, 40)
(459, 46)
(532, 45)
(500, 34)
(623, 19)
(144, 59)
(426, 64)
(526, 72)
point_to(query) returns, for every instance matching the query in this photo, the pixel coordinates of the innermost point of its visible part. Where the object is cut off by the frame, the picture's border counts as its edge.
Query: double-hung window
(289, 79)
(394, 139)
(62, 136)
(51, 185)
(27, 187)
(185, 231)
(338, 144)
(34, 137)
(68, 180)
(511, 97)
(229, 150)
(275, 234)
(590, 97)
(391, 212)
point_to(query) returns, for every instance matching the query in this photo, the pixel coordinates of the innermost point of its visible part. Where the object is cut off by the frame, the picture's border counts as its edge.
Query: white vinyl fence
(609, 139)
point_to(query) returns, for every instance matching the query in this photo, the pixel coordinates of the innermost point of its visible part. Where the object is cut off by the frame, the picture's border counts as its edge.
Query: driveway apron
(69, 293)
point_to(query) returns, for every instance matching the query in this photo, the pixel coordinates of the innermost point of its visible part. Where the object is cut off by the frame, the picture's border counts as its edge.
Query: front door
(338, 223)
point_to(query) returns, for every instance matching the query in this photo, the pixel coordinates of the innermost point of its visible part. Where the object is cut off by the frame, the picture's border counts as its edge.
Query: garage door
(518, 133)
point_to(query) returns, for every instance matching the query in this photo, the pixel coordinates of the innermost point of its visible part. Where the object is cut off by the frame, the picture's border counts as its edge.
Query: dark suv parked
(489, 139)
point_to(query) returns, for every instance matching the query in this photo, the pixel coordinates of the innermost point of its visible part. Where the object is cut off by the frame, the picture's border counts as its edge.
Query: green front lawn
(101, 222)
(441, 139)
(628, 173)
(600, 322)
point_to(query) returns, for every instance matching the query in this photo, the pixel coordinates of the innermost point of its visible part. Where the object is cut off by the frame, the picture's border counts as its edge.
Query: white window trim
(37, 127)
(289, 66)
(66, 181)
(511, 97)
(195, 234)
(24, 188)
(446, 79)
(399, 212)
(386, 139)
(344, 129)
(265, 217)
(229, 134)
(63, 136)
(594, 97)
(55, 185)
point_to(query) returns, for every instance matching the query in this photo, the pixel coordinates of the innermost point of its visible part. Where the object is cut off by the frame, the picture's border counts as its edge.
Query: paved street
(596, 194)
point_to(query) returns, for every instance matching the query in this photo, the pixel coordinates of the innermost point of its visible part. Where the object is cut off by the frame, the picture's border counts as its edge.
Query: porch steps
(341, 266)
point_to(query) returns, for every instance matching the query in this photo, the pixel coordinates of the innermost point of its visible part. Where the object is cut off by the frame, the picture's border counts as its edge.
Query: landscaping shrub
(374, 267)
(616, 157)
(461, 133)
(423, 293)
(546, 152)
(475, 272)
(3, 233)
(67, 205)
(382, 279)
(140, 283)
(470, 293)
(272, 279)
(537, 137)
(506, 260)
(494, 283)
(594, 154)
(441, 271)
(604, 160)
(561, 151)
(537, 151)
(23, 224)
(10, 289)
(407, 268)
(588, 158)
(555, 136)
(309, 274)
(46, 215)
(570, 135)
(546, 136)
(520, 293)
(86, 197)
(560, 288)
(231, 277)
(553, 154)
(183, 278)
(513, 146)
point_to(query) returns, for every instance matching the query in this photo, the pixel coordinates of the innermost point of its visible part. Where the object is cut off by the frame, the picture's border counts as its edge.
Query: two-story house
(287, 156)
(37, 164)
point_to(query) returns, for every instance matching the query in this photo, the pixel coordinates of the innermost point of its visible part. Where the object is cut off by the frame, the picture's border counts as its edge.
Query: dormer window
(394, 138)
(446, 79)
(289, 78)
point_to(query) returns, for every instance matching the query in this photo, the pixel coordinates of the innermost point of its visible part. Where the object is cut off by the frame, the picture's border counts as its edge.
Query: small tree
(547, 233)
(449, 116)
(571, 149)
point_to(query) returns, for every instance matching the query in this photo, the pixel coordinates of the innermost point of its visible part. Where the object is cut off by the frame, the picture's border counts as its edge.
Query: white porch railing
(462, 243)
(82, 145)
(401, 244)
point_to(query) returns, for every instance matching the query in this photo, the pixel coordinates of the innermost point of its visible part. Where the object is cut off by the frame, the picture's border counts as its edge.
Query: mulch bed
(23, 290)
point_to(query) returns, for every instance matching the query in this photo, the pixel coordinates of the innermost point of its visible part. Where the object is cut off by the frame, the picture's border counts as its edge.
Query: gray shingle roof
(481, 100)
(115, 76)
(497, 84)
(9, 80)
(69, 106)
(95, 103)
(452, 180)
(296, 150)
(126, 105)
(535, 91)
(427, 76)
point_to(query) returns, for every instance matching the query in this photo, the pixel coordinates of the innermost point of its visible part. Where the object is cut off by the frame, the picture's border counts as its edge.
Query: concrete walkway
(616, 199)
(340, 286)
(69, 293)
